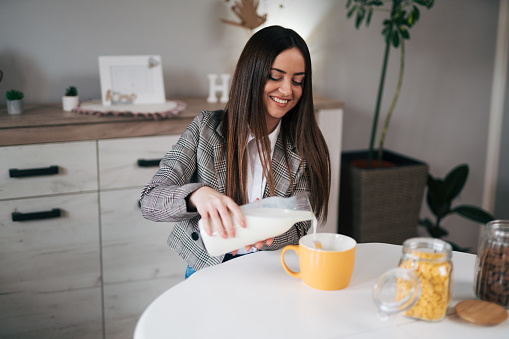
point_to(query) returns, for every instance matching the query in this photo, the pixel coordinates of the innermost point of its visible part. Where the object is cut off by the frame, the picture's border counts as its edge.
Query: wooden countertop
(41, 123)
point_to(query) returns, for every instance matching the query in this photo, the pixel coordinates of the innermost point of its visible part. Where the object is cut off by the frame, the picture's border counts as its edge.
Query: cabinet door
(138, 265)
(33, 170)
(50, 280)
(118, 160)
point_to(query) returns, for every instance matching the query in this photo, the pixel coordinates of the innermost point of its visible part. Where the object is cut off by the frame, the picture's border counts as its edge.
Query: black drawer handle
(32, 172)
(54, 213)
(148, 163)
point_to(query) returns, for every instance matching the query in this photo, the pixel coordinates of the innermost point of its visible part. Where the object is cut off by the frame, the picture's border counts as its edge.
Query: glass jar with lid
(491, 280)
(421, 286)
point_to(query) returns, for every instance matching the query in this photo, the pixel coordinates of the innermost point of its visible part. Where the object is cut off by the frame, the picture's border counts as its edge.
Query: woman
(266, 142)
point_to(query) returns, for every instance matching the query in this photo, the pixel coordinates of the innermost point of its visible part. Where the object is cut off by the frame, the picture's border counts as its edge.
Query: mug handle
(289, 271)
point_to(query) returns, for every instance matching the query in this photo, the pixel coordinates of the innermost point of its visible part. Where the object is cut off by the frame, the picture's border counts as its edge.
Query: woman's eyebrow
(281, 71)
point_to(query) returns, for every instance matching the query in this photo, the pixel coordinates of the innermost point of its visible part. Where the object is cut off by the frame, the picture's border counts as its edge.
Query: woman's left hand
(259, 244)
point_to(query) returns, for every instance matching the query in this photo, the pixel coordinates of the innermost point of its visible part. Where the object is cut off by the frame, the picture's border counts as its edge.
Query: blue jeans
(190, 271)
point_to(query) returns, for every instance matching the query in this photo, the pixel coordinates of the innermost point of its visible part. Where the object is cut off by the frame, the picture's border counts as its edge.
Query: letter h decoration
(223, 88)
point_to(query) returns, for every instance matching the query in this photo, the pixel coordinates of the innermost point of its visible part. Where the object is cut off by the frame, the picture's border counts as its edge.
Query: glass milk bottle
(492, 264)
(265, 218)
(421, 286)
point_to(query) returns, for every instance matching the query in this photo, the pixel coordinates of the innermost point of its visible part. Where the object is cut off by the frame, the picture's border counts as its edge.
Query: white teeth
(279, 100)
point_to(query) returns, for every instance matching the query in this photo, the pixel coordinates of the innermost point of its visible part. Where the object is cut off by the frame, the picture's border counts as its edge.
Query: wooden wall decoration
(247, 12)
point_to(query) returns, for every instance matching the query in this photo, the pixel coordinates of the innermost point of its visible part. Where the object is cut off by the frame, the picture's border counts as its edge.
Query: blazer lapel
(220, 161)
(279, 169)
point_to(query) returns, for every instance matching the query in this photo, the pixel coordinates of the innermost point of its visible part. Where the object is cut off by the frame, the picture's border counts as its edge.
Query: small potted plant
(14, 101)
(70, 100)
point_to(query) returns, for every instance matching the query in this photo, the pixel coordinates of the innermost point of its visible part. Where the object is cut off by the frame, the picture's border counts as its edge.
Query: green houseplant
(381, 201)
(14, 101)
(71, 91)
(70, 100)
(439, 198)
(403, 15)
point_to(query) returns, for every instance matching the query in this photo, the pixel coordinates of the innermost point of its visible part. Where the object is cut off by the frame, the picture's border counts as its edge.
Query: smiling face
(283, 89)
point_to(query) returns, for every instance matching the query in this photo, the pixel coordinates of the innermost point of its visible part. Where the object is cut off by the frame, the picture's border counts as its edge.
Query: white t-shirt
(256, 181)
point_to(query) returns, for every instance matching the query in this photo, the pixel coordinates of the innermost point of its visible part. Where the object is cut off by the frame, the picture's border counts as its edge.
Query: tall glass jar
(421, 286)
(492, 264)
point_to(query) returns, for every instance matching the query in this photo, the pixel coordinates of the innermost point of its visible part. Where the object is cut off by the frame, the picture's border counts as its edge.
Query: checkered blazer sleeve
(163, 198)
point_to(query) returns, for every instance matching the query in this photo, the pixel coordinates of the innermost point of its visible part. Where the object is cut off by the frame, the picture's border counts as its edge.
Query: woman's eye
(294, 82)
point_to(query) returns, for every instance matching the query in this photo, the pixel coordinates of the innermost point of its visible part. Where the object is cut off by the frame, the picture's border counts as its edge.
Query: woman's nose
(285, 88)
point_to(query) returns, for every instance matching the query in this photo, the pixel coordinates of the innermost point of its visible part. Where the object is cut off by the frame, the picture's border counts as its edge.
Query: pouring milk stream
(265, 219)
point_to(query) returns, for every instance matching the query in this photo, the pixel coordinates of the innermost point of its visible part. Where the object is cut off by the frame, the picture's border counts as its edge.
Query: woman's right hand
(215, 209)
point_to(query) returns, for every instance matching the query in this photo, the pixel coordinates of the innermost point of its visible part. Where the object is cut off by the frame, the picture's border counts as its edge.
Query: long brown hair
(245, 112)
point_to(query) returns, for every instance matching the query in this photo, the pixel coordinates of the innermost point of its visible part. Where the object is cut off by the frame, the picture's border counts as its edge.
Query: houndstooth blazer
(195, 161)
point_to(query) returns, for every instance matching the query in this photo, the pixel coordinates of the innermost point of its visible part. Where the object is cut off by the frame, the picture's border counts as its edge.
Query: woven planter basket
(382, 204)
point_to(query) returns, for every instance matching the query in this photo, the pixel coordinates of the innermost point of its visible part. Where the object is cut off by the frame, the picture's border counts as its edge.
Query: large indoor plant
(381, 200)
(403, 16)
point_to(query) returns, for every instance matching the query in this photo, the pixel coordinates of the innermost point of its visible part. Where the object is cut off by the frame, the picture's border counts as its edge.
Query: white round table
(253, 297)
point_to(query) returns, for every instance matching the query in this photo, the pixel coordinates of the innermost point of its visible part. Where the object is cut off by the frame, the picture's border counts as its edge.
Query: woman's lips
(280, 101)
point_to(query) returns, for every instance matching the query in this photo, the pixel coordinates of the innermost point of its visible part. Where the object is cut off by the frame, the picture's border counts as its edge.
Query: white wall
(502, 196)
(441, 118)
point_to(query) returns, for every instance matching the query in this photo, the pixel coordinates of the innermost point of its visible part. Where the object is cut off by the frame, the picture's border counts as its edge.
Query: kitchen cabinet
(36, 170)
(96, 259)
(50, 277)
(137, 263)
(91, 272)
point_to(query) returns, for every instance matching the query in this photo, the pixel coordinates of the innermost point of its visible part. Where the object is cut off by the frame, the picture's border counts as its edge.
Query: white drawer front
(59, 253)
(134, 248)
(118, 160)
(76, 163)
(65, 314)
(50, 282)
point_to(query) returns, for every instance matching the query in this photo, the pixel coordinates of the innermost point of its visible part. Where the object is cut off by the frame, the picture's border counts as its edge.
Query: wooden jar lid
(481, 312)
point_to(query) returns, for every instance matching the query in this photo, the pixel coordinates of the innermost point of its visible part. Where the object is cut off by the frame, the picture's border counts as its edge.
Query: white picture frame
(132, 79)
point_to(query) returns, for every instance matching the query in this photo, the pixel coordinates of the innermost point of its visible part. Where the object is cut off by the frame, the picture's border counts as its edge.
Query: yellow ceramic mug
(329, 268)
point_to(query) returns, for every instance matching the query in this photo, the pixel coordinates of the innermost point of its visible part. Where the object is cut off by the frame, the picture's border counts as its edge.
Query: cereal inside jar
(430, 260)
(492, 264)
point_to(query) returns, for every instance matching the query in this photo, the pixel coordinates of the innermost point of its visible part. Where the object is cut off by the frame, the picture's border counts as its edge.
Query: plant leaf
(421, 2)
(388, 36)
(387, 29)
(360, 16)
(434, 231)
(395, 38)
(438, 232)
(404, 32)
(416, 13)
(350, 12)
(473, 213)
(455, 181)
(427, 3)
(435, 197)
(425, 223)
(368, 18)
